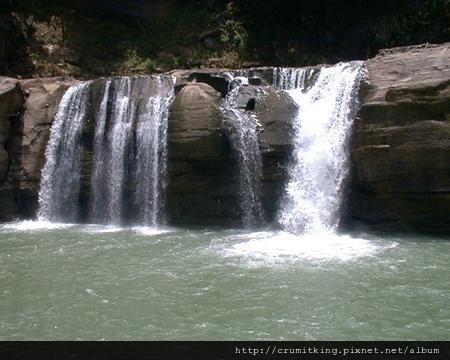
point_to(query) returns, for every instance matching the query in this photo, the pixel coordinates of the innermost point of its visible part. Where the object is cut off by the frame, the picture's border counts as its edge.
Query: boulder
(401, 147)
(275, 111)
(195, 121)
(201, 185)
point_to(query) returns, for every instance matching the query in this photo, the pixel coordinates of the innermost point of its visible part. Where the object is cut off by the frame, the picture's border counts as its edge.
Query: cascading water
(327, 106)
(130, 151)
(243, 136)
(292, 78)
(130, 148)
(151, 157)
(137, 136)
(99, 178)
(60, 184)
(119, 140)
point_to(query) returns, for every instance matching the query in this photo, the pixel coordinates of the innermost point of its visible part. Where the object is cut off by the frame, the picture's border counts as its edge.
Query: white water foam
(150, 230)
(102, 229)
(319, 247)
(32, 225)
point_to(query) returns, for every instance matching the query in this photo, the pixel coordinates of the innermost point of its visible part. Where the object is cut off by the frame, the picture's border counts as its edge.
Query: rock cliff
(400, 145)
(401, 140)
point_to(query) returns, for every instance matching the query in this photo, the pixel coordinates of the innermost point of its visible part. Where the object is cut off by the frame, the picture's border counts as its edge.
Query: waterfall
(134, 146)
(129, 151)
(328, 101)
(290, 78)
(60, 184)
(100, 169)
(119, 141)
(242, 132)
(130, 148)
(151, 157)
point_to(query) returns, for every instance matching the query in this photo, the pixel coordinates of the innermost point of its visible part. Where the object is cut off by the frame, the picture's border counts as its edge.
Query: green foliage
(49, 37)
(427, 22)
(134, 63)
(232, 32)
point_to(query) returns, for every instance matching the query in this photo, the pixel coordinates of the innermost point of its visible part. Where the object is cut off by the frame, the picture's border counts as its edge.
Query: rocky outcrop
(275, 112)
(11, 99)
(202, 175)
(401, 143)
(201, 187)
(27, 139)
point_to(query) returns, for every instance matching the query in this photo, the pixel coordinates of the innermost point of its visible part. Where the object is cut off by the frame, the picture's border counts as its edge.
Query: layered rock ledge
(401, 141)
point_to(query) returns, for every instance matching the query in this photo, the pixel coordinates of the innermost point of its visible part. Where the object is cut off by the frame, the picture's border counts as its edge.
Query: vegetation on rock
(86, 39)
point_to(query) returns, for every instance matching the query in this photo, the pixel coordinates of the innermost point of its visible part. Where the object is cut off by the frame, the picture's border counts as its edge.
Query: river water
(91, 282)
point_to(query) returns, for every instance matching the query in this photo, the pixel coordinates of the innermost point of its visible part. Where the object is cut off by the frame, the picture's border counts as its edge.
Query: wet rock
(275, 111)
(201, 167)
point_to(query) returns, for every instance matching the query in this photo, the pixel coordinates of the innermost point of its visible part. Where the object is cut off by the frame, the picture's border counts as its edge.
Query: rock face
(27, 139)
(401, 143)
(275, 112)
(11, 99)
(201, 185)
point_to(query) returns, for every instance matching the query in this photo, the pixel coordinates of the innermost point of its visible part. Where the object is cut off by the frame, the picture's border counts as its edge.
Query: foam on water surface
(32, 225)
(282, 246)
